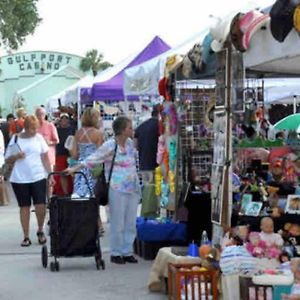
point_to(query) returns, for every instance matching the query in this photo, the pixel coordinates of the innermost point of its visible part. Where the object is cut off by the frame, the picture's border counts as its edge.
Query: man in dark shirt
(146, 135)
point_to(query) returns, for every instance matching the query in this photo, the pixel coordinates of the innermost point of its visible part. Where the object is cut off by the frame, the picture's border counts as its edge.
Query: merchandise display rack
(195, 133)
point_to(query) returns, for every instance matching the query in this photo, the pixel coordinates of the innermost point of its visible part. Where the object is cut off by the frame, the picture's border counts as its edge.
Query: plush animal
(255, 245)
(211, 259)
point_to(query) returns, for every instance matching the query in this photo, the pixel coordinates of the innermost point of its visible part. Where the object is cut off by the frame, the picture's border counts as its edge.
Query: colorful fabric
(124, 176)
(81, 187)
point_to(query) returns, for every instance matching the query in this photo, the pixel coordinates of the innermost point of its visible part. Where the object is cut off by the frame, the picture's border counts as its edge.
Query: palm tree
(94, 61)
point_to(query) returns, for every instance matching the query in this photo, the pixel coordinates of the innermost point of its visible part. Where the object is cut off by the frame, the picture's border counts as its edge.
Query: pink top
(271, 239)
(49, 132)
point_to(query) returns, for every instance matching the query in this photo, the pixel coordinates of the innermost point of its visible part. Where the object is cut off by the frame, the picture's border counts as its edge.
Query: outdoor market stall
(243, 156)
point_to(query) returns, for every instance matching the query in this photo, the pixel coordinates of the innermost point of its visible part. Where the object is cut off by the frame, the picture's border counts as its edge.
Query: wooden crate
(191, 285)
(251, 291)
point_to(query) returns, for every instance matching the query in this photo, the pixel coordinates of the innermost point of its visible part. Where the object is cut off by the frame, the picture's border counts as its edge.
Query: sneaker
(117, 260)
(130, 259)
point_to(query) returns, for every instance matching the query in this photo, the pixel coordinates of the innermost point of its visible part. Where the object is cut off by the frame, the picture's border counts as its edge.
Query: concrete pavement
(22, 275)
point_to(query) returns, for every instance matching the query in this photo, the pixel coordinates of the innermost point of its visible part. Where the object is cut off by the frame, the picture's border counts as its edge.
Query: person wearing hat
(63, 184)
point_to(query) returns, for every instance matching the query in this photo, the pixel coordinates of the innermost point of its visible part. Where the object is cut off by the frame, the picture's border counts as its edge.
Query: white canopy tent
(71, 94)
(142, 80)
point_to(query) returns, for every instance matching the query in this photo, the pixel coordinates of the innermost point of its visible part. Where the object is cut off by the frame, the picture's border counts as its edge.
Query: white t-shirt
(31, 168)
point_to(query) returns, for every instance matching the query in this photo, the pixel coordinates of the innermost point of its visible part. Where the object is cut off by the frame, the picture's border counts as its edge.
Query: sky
(119, 28)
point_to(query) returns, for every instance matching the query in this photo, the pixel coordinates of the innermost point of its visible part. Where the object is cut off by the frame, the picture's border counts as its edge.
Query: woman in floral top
(124, 192)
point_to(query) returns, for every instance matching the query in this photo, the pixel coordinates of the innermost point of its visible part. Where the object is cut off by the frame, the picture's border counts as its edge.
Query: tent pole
(126, 106)
(78, 108)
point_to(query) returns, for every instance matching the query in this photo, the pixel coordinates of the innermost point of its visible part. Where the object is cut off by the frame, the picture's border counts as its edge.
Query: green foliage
(94, 61)
(18, 18)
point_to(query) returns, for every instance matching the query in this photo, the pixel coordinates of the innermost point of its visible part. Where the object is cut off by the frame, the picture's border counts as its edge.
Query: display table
(230, 284)
(153, 235)
(159, 269)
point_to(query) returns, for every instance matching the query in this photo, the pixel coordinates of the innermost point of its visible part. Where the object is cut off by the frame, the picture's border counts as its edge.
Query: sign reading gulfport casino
(35, 76)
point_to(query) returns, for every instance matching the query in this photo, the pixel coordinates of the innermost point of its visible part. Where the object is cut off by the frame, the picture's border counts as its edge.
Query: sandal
(41, 237)
(26, 242)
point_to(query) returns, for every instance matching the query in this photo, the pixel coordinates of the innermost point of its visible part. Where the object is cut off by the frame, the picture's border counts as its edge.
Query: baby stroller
(73, 227)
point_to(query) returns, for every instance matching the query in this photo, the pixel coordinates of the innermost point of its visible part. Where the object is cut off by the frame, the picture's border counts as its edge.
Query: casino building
(29, 78)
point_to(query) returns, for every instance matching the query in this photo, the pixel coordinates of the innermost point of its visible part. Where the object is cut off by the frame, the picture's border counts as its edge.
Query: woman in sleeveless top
(87, 140)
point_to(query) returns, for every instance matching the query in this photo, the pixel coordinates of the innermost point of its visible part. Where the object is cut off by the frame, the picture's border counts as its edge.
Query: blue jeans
(123, 212)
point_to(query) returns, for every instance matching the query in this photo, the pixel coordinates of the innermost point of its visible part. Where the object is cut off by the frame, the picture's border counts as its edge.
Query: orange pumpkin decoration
(204, 250)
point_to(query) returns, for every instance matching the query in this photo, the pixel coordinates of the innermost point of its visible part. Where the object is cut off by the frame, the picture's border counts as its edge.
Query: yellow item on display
(296, 18)
(171, 179)
(158, 179)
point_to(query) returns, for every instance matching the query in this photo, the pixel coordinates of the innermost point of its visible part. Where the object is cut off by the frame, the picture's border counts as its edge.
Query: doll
(285, 261)
(267, 233)
(256, 246)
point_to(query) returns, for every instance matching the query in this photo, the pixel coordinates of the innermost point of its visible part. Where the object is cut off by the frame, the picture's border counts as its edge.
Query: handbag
(101, 188)
(8, 166)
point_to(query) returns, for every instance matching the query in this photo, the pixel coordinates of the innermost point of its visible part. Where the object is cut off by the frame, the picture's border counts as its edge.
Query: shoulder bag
(7, 167)
(102, 187)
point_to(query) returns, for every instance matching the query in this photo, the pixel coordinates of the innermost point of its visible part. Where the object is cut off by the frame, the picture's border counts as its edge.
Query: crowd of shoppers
(42, 148)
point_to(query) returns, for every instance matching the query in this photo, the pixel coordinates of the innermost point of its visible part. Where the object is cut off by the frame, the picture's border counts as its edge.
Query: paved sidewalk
(22, 275)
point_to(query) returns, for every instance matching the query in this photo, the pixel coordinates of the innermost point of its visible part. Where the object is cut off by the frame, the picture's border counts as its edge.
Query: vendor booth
(112, 89)
(253, 177)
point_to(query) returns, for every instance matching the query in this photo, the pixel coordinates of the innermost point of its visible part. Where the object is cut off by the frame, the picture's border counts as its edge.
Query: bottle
(204, 238)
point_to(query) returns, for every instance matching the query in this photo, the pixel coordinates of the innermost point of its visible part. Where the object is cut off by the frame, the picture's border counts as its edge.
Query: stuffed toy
(211, 259)
(256, 246)
(291, 235)
(292, 229)
(272, 252)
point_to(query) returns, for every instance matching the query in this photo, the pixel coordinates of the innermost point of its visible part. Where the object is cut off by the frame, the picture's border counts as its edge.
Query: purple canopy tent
(112, 89)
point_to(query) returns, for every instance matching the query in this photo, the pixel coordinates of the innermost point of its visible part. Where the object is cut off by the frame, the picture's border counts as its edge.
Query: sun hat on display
(296, 18)
(250, 23)
(172, 63)
(282, 18)
(219, 32)
(163, 88)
